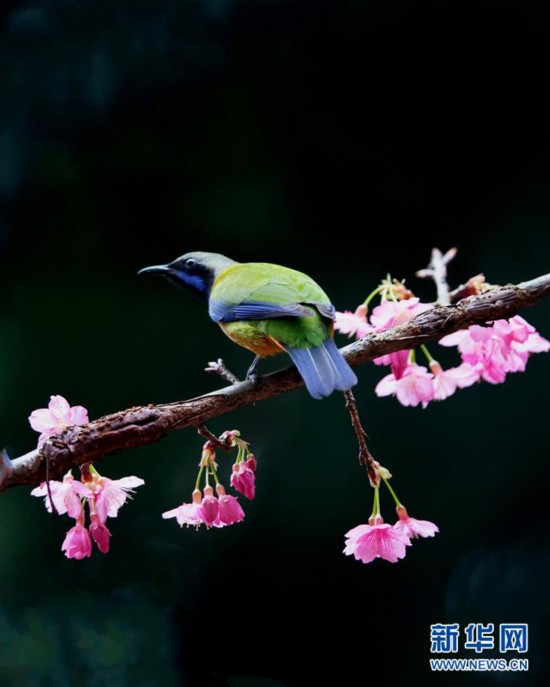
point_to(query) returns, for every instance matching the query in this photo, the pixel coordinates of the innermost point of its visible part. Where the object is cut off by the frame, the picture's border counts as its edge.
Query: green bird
(268, 309)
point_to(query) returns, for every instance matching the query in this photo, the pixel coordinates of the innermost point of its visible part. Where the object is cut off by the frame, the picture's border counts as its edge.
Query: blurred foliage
(100, 637)
(132, 131)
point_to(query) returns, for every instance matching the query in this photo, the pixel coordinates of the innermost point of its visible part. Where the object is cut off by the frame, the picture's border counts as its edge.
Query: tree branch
(147, 424)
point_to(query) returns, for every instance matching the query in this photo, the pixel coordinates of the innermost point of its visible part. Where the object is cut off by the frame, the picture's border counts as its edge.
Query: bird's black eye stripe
(190, 263)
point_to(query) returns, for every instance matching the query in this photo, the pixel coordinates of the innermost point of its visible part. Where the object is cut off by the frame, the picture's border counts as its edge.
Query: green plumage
(268, 309)
(264, 282)
(279, 286)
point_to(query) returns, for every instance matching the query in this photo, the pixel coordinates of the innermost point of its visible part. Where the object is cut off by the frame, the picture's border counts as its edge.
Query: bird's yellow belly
(249, 335)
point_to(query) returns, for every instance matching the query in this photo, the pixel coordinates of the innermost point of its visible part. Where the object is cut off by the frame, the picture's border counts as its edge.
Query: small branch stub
(218, 367)
(437, 270)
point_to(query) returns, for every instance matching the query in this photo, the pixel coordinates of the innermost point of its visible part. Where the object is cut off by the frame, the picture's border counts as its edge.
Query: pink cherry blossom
(464, 375)
(411, 527)
(104, 497)
(77, 543)
(100, 534)
(444, 384)
(496, 350)
(393, 313)
(353, 323)
(481, 350)
(367, 542)
(56, 417)
(187, 513)
(447, 381)
(399, 362)
(415, 386)
(230, 510)
(524, 340)
(535, 343)
(243, 477)
(458, 338)
(209, 507)
(515, 329)
(66, 495)
(111, 494)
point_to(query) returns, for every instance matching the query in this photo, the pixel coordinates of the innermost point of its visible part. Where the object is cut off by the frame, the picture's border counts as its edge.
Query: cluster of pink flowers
(380, 540)
(221, 509)
(492, 352)
(209, 510)
(103, 496)
(487, 353)
(243, 476)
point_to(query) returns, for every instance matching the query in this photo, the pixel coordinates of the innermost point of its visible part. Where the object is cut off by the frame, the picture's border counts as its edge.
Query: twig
(212, 438)
(437, 270)
(218, 367)
(147, 424)
(473, 287)
(365, 457)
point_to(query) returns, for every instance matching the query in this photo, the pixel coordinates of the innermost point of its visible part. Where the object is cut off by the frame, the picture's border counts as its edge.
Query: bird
(268, 309)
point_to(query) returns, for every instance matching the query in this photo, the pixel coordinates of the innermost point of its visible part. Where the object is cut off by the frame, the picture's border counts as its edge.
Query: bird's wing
(258, 291)
(221, 311)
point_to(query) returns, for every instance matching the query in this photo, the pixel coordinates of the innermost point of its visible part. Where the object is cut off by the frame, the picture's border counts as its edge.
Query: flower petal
(386, 386)
(41, 420)
(59, 408)
(78, 415)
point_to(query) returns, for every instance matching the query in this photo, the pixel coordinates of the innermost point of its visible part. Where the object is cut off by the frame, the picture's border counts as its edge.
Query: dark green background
(132, 131)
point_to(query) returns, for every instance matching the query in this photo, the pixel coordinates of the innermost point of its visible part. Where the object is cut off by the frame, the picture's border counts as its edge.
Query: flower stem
(243, 450)
(392, 492)
(376, 506)
(214, 473)
(372, 294)
(198, 482)
(427, 353)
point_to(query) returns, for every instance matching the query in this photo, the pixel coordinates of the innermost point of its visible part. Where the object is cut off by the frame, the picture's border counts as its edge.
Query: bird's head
(196, 271)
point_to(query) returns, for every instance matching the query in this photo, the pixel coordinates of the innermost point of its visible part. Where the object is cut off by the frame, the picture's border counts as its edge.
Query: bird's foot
(218, 367)
(252, 375)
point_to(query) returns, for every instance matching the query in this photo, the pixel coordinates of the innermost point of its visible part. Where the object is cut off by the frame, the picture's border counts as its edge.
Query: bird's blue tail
(323, 368)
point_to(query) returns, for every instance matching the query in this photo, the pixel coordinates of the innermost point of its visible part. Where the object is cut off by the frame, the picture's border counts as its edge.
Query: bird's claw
(253, 378)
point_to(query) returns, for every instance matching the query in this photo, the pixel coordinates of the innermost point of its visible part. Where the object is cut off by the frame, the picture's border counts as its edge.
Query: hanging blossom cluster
(102, 496)
(377, 539)
(221, 509)
(99, 498)
(487, 353)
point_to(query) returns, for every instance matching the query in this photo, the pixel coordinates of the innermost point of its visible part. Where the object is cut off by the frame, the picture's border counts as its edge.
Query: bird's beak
(157, 269)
